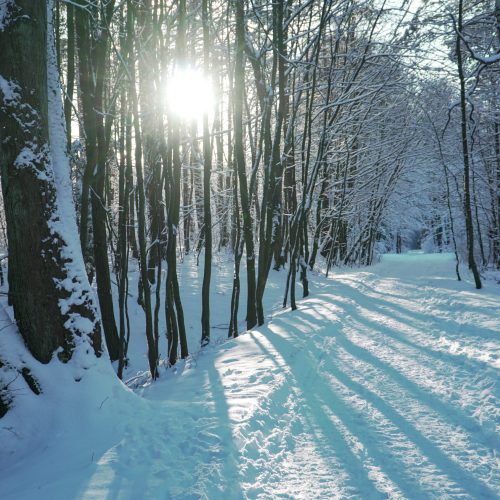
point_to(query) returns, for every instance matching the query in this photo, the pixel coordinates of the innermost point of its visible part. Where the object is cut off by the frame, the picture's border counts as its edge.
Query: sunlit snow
(383, 384)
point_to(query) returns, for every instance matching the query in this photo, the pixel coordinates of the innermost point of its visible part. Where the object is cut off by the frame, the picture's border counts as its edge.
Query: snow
(383, 384)
(30, 156)
(63, 222)
(5, 13)
(10, 91)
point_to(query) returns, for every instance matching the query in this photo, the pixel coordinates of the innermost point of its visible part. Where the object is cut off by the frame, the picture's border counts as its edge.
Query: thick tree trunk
(51, 296)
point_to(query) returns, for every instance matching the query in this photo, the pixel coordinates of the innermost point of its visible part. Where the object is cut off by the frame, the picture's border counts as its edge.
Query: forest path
(383, 384)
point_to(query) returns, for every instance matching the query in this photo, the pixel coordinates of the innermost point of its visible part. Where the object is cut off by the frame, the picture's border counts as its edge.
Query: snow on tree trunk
(53, 303)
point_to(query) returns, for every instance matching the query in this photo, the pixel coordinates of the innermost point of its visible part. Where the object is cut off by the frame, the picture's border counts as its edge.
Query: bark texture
(48, 287)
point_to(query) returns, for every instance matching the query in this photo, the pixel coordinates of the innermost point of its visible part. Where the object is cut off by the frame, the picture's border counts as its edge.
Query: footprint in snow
(229, 360)
(208, 438)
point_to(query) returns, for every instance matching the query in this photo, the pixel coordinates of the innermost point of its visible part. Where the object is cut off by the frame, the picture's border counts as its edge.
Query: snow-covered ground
(384, 384)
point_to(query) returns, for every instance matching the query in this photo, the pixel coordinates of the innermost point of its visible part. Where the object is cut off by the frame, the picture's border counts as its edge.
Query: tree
(174, 312)
(207, 169)
(465, 151)
(92, 54)
(49, 290)
(239, 153)
(141, 207)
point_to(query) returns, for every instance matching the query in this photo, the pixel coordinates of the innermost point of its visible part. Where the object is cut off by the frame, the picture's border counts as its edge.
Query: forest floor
(383, 384)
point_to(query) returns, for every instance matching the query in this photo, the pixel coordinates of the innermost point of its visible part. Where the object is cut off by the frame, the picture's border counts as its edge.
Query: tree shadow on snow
(317, 391)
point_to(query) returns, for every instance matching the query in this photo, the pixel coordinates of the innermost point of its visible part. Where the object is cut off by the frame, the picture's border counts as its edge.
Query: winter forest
(249, 249)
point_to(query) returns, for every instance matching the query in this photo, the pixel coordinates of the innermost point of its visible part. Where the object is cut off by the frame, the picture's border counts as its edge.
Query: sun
(189, 94)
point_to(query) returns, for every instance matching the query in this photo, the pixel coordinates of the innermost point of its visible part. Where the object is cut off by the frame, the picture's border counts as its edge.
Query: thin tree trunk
(172, 284)
(207, 168)
(239, 152)
(465, 154)
(123, 197)
(146, 290)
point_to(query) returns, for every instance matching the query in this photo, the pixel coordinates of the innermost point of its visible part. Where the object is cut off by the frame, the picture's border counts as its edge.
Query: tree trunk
(58, 304)
(207, 215)
(239, 153)
(175, 318)
(146, 291)
(469, 228)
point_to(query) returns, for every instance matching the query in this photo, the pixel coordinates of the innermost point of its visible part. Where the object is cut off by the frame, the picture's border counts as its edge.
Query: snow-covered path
(383, 384)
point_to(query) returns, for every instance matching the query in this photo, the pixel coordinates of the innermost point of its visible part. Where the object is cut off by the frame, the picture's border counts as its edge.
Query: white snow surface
(383, 384)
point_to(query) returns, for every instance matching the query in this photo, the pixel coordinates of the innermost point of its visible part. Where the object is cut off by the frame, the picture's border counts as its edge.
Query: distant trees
(319, 133)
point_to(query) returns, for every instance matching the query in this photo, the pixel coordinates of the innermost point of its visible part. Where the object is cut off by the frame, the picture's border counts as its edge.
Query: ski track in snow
(383, 384)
